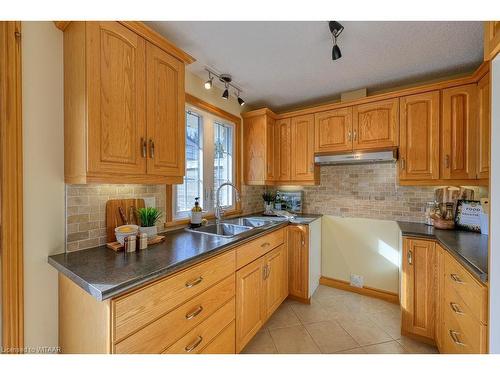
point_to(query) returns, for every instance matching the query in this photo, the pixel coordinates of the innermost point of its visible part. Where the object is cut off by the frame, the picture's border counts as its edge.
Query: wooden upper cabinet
(116, 99)
(376, 125)
(419, 136)
(419, 288)
(271, 165)
(123, 105)
(491, 39)
(484, 108)
(333, 131)
(282, 143)
(255, 150)
(165, 113)
(459, 136)
(303, 148)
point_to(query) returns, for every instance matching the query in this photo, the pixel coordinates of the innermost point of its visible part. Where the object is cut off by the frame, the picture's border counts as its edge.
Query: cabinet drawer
(199, 337)
(255, 249)
(137, 309)
(161, 333)
(454, 339)
(473, 294)
(224, 343)
(459, 315)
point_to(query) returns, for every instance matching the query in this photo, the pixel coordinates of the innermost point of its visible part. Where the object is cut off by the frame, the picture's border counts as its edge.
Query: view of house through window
(209, 163)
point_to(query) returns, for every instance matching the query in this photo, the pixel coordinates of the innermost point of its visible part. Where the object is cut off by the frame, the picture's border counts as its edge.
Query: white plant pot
(152, 232)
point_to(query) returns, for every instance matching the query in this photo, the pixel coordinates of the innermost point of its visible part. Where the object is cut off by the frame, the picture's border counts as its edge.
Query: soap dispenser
(196, 214)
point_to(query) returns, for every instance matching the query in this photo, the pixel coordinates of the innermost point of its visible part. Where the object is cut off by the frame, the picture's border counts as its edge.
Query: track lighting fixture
(226, 79)
(336, 29)
(209, 83)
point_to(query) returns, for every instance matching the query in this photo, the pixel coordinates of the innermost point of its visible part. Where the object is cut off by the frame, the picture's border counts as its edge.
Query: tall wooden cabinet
(484, 126)
(419, 141)
(124, 104)
(458, 136)
(418, 288)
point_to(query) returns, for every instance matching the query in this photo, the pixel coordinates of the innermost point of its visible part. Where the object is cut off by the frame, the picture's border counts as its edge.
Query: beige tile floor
(336, 321)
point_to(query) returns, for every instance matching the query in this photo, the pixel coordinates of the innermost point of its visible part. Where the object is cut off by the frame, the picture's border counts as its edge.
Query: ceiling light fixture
(209, 83)
(227, 80)
(336, 29)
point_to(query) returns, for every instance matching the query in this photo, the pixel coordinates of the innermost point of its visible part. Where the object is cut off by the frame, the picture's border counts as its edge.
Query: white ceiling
(284, 64)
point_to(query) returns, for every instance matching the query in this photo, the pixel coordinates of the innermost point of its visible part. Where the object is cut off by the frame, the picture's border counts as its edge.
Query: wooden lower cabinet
(418, 288)
(261, 287)
(298, 264)
(441, 301)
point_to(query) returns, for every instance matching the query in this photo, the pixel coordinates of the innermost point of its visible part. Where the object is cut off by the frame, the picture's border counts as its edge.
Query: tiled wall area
(367, 191)
(86, 209)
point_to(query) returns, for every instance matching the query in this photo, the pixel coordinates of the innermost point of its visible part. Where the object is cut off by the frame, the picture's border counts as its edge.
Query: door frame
(11, 187)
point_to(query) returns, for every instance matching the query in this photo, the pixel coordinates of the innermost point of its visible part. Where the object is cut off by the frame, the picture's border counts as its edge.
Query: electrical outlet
(150, 202)
(357, 281)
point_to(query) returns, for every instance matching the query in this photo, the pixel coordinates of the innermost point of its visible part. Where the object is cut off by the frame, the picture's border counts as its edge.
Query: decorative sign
(467, 215)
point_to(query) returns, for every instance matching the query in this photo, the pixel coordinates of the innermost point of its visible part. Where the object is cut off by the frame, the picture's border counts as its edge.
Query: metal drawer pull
(152, 148)
(194, 313)
(194, 345)
(194, 282)
(144, 147)
(456, 279)
(456, 309)
(265, 244)
(454, 337)
(410, 257)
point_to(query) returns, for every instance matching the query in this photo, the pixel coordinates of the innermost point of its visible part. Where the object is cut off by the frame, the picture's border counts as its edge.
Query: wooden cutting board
(114, 218)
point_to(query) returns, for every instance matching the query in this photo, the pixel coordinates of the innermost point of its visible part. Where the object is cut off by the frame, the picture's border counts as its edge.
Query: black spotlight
(225, 94)
(336, 29)
(241, 101)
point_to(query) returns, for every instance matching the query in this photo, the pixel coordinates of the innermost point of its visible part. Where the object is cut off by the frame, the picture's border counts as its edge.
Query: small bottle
(131, 244)
(196, 214)
(143, 241)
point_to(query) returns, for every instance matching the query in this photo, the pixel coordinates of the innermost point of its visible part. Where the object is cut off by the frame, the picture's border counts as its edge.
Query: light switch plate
(150, 202)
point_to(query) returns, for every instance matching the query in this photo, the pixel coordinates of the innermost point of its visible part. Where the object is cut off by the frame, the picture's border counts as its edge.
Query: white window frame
(207, 200)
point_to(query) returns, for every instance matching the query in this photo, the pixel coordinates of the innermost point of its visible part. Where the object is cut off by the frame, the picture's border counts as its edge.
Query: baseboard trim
(366, 290)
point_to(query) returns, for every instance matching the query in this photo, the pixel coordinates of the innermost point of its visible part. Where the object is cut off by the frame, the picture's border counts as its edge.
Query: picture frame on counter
(467, 215)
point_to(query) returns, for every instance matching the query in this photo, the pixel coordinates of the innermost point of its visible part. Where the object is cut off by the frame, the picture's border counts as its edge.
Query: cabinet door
(282, 144)
(116, 99)
(298, 261)
(439, 295)
(271, 166)
(254, 150)
(483, 154)
(276, 278)
(491, 39)
(418, 287)
(376, 125)
(333, 131)
(165, 113)
(250, 302)
(459, 136)
(419, 139)
(303, 148)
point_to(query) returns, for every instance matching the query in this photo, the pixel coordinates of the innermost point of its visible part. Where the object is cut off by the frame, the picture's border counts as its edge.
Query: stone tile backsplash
(86, 209)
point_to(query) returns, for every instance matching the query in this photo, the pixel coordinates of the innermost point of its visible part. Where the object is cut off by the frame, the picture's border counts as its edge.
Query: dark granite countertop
(469, 248)
(105, 273)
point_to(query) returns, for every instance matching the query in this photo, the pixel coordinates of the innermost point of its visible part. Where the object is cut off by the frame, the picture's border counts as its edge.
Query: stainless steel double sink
(233, 227)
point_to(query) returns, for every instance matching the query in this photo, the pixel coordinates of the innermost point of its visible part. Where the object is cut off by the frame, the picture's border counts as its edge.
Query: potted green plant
(149, 217)
(268, 197)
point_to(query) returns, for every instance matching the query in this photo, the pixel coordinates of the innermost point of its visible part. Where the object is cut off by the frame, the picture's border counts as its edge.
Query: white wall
(365, 247)
(494, 262)
(42, 76)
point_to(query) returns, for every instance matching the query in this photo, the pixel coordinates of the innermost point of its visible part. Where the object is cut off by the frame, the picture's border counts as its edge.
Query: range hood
(357, 158)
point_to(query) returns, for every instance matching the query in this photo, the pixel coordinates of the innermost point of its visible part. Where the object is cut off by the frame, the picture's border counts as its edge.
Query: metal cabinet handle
(191, 283)
(456, 308)
(349, 136)
(456, 278)
(194, 313)
(410, 257)
(151, 149)
(355, 135)
(447, 161)
(454, 337)
(144, 147)
(189, 348)
(264, 272)
(403, 163)
(265, 244)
